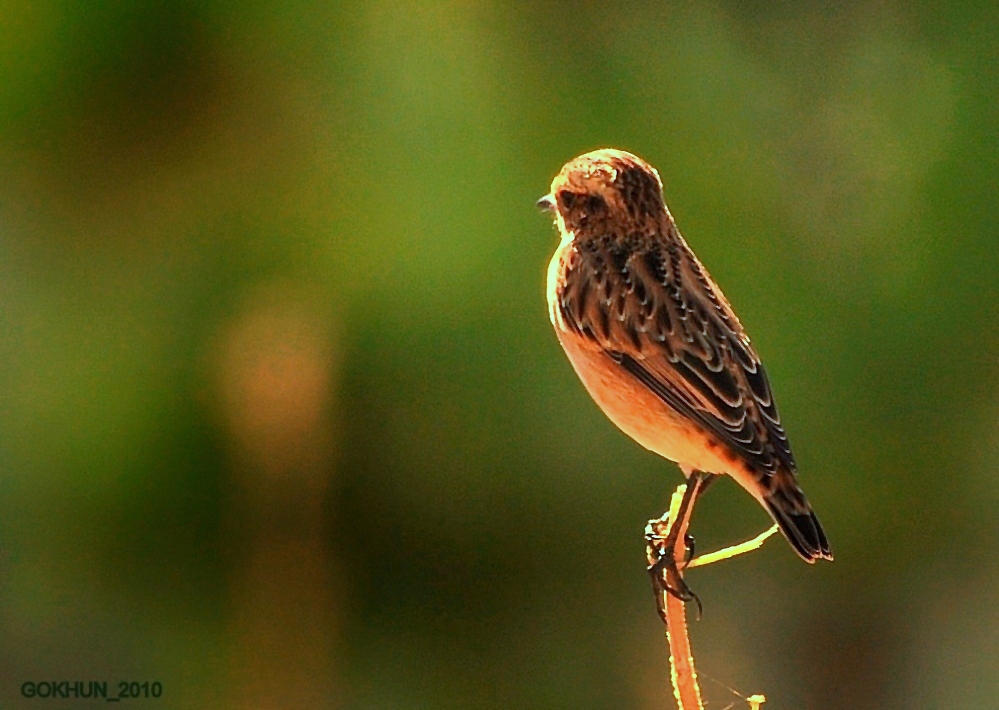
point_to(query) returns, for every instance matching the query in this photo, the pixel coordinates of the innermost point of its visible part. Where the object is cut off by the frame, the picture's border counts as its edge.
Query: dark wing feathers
(663, 320)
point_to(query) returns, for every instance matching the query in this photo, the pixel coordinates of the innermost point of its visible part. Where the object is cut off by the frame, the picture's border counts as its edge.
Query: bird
(656, 343)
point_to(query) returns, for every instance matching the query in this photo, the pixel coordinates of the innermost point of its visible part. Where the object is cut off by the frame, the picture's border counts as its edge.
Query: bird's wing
(655, 312)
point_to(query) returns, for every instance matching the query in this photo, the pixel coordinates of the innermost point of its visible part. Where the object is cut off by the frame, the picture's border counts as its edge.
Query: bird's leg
(696, 485)
(666, 575)
(702, 482)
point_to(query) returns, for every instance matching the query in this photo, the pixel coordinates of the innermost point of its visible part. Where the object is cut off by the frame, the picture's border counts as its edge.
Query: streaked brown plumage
(657, 345)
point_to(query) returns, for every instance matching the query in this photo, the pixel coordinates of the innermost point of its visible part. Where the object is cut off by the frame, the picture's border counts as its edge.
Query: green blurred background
(283, 423)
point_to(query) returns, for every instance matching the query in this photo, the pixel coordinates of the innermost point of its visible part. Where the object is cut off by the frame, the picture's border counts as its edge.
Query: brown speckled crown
(609, 183)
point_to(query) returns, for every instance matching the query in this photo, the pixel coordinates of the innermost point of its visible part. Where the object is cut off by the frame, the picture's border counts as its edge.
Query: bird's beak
(546, 204)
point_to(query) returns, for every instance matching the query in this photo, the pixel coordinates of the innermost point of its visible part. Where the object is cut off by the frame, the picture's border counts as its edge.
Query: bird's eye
(567, 198)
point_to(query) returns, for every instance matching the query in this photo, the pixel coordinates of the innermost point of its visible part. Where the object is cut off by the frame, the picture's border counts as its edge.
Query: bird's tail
(787, 505)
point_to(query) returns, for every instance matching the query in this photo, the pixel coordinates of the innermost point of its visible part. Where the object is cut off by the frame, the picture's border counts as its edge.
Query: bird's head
(606, 185)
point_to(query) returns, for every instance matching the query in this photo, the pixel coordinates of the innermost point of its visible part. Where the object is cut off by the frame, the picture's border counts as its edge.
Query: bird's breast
(557, 268)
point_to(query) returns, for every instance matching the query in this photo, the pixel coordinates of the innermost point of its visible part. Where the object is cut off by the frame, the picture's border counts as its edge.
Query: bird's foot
(666, 578)
(666, 575)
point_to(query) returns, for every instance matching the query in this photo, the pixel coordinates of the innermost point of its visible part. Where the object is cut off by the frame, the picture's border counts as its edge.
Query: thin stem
(682, 672)
(666, 560)
(740, 549)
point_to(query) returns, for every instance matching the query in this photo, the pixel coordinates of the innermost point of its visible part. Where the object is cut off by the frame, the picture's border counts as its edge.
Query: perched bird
(656, 343)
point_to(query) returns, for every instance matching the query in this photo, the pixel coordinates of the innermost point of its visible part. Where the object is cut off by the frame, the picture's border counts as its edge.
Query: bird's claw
(688, 550)
(667, 578)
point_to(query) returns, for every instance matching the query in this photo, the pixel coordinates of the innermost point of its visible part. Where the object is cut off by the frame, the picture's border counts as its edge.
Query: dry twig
(667, 562)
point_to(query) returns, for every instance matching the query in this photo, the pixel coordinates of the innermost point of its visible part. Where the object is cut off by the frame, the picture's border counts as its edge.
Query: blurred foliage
(282, 421)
